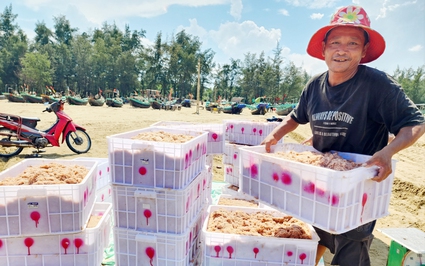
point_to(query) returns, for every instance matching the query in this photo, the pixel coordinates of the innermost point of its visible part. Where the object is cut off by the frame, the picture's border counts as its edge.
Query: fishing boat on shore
(284, 109)
(76, 100)
(114, 102)
(12, 97)
(30, 98)
(139, 103)
(260, 109)
(97, 102)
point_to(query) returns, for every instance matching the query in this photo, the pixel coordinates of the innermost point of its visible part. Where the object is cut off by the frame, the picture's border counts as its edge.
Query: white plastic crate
(84, 248)
(216, 138)
(171, 123)
(156, 164)
(159, 249)
(104, 194)
(335, 201)
(46, 209)
(248, 132)
(231, 153)
(160, 210)
(221, 249)
(103, 171)
(231, 174)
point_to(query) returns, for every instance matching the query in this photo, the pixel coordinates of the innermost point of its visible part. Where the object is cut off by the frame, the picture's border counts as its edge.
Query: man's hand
(382, 159)
(268, 142)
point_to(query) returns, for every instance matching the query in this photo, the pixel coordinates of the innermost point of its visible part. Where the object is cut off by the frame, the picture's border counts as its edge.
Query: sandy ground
(407, 206)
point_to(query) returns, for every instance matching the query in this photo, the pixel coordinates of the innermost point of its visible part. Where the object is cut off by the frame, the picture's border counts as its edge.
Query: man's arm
(287, 125)
(405, 138)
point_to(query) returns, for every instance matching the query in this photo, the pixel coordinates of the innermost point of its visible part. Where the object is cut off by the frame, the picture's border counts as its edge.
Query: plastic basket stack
(56, 224)
(239, 134)
(160, 191)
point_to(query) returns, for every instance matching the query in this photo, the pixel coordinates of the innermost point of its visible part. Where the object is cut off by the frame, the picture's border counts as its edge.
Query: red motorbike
(17, 133)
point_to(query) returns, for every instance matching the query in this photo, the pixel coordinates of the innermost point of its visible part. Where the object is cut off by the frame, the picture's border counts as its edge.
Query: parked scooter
(17, 133)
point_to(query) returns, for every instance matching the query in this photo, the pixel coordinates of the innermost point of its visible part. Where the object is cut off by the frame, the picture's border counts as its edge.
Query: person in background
(352, 108)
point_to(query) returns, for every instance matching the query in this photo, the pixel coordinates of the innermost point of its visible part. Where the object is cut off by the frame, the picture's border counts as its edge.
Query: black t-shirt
(357, 115)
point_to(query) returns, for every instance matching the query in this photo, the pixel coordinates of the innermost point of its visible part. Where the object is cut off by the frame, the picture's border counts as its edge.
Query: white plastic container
(159, 249)
(231, 174)
(156, 164)
(216, 138)
(160, 210)
(82, 249)
(104, 194)
(46, 209)
(248, 132)
(103, 171)
(335, 201)
(222, 249)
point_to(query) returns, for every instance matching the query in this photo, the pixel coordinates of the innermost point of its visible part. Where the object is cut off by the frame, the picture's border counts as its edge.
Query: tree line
(108, 58)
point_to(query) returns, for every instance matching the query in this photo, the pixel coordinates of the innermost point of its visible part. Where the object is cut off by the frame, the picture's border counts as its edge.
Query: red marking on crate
(254, 130)
(143, 170)
(254, 170)
(217, 250)
(275, 177)
(230, 250)
(235, 156)
(364, 200)
(242, 129)
(65, 243)
(310, 187)
(255, 250)
(150, 252)
(1, 243)
(28, 243)
(147, 213)
(334, 200)
(35, 216)
(289, 253)
(78, 242)
(303, 256)
(214, 136)
(286, 178)
(261, 132)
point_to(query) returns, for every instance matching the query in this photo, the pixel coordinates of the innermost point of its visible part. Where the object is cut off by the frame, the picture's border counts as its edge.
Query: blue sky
(233, 28)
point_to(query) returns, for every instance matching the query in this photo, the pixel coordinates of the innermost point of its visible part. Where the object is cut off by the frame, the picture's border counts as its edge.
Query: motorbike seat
(30, 118)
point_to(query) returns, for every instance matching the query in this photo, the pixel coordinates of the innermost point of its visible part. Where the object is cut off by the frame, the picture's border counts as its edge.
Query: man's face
(344, 48)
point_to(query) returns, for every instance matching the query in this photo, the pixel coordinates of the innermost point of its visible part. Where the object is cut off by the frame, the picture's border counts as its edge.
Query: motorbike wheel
(7, 152)
(78, 141)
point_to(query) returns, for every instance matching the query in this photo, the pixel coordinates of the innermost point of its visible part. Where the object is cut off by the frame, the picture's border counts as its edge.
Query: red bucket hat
(353, 16)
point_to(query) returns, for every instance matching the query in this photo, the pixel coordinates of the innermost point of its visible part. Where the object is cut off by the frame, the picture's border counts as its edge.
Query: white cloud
(316, 16)
(195, 30)
(237, 39)
(387, 7)
(416, 48)
(312, 3)
(310, 64)
(283, 12)
(98, 11)
(236, 7)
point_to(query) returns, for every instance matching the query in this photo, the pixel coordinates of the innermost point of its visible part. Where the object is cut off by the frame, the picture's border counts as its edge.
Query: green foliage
(107, 58)
(36, 71)
(413, 82)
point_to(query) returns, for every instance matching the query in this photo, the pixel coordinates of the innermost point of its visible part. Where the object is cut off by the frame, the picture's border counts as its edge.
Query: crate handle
(145, 194)
(32, 192)
(146, 238)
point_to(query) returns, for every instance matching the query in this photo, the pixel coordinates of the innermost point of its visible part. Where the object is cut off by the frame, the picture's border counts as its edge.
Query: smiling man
(351, 108)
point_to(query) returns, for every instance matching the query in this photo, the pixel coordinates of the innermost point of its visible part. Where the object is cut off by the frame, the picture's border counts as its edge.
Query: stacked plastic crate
(49, 224)
(160, 192)
(103, 186)
(238, 134)
(334, 201)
